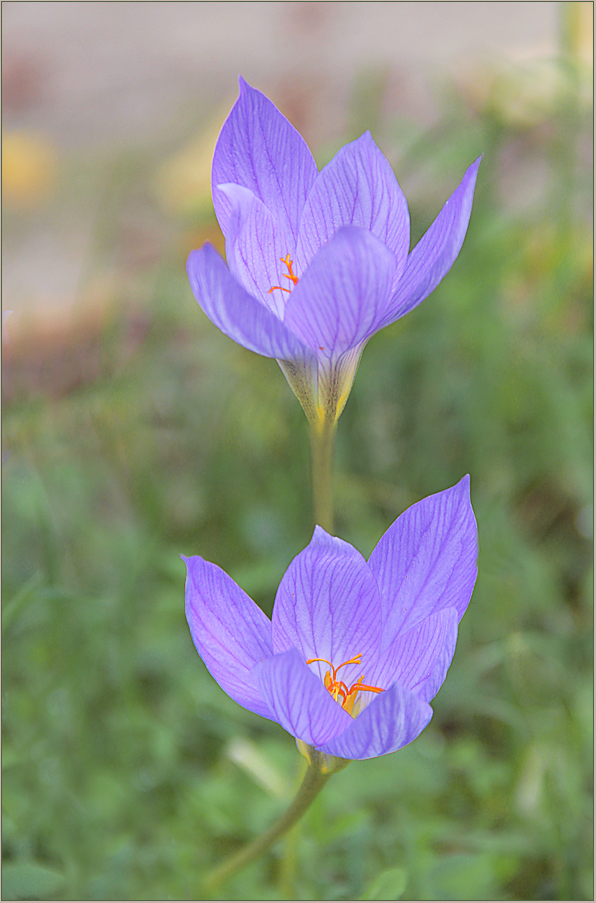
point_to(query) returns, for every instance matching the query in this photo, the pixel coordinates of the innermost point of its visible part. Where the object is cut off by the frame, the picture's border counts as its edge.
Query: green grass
(120, 776)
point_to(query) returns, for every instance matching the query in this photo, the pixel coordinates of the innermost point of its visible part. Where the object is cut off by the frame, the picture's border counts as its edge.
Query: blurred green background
(135, 431)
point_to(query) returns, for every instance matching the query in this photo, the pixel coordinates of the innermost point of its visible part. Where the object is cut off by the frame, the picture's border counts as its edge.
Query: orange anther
(339, 688)
(366, 687)
(289, 275)
(309, 661)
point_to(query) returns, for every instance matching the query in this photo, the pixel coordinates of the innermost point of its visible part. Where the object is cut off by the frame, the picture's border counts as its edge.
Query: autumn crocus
(317, 262)
(355, 650)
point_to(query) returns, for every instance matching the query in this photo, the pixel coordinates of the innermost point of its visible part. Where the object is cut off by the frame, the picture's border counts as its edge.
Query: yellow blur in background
(29, 170)
(183, 182)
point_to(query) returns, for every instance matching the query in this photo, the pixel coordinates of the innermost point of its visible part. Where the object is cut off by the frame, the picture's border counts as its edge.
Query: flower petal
(335, 381)
(259, 149)
(418, 659)
(254, 248)
(342, 294)
(240, 316)
(428, 689)
(357, 188)
(301, 375)
(328, 606)
(229, 630)
(437, 250)
(298, 699)
(392, 720)
(426, 560)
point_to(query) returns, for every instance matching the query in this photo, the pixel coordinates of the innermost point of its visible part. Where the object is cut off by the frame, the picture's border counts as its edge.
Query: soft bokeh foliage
(127, 771)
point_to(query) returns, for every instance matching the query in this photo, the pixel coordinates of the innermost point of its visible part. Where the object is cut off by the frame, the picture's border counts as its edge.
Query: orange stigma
(338, 688)
(289, 275)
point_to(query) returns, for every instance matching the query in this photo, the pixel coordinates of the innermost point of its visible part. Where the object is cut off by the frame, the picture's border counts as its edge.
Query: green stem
(311, 786)
(287, 872)
(322, 440)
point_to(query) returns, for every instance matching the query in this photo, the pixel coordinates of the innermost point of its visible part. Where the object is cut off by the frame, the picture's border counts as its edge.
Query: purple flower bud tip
(317, 261)
(355, 650)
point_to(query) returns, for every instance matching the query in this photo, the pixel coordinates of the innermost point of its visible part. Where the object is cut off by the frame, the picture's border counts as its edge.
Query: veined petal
(392, 720)
(427, 689)
(240, 316)
(357, 188)
(328, 606)
(230, 632)
(302, 377)
(342, 294)
(418, 659)
(426, 560)
(437, 250)
(335, 381)
(299, 700)
(254, 248)
(259, 149)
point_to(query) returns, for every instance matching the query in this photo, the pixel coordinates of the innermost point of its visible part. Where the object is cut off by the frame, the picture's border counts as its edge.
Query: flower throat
(338, 688)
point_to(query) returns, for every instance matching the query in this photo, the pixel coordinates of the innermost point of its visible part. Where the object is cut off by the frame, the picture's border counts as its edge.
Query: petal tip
(197, 253)
(465, 481)
(472, 170)
(245, 89)
(243, 86)
(460, 492)
(463, 488)
(320, 534)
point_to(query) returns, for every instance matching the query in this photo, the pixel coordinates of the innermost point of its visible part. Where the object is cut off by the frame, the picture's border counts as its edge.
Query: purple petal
(298, 699)
(230, 632)
(437, 250)
(392, 720)
(259, 149)
(328, 606)
(240, 316)
(335, 381)
(419, 658)
(428, 689)
(254, 249)
(357, 188)
(343, 293)
(426, 560)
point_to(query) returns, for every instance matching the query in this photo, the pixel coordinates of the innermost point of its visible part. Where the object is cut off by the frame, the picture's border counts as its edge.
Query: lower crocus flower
(317, 262)
(355, 650)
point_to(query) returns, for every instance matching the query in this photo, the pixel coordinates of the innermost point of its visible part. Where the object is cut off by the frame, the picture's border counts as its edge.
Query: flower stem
(311, 786)
(322, 440)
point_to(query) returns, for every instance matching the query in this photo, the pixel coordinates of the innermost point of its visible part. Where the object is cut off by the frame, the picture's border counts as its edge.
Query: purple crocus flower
(318, 261)
(355, 650)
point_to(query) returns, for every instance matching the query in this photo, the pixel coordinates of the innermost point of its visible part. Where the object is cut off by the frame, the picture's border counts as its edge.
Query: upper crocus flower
(355, 650)
(318, 261)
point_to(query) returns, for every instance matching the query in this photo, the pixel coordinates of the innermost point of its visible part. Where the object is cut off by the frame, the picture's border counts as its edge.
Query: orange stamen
(339, 688)
(288, 275)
